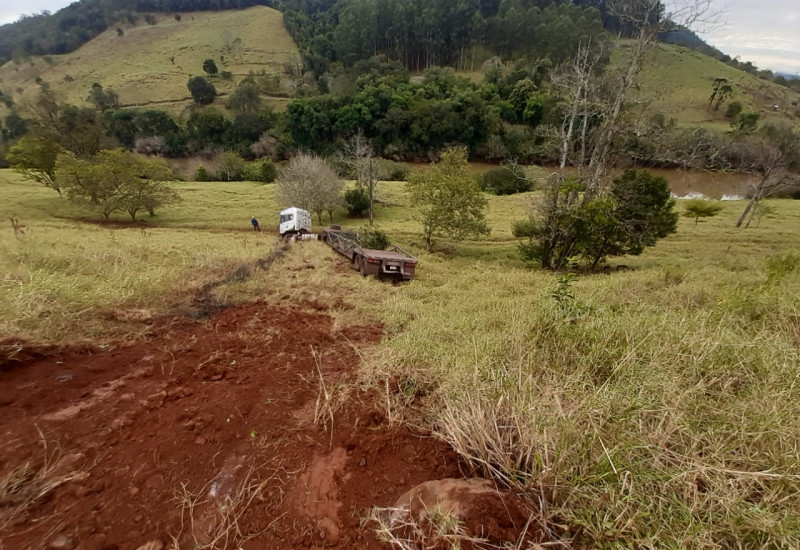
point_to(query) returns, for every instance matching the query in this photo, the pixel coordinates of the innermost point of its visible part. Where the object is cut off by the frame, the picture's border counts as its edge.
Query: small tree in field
(700, 208)
(448, 199)
(230, 166)
(210, 67)
(310, 183)
(203, 92)
(116, 181)
(35, 158)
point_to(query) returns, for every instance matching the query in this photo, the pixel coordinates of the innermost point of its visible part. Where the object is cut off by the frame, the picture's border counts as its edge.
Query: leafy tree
(721, 89)
(245, 98)
(116, 180)
(357, 201)
(76, 129)
(103, 100)
(310, 183)
(35, 158)
(734, 110)
(746, 123)
(701, 208)
(507, 180)
(448, 199)
(210, 67)
(203, 92)
(633, 215)
(230, 166)
(263, 171)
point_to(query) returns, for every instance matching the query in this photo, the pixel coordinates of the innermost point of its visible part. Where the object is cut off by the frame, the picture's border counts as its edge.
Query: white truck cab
(294, 221)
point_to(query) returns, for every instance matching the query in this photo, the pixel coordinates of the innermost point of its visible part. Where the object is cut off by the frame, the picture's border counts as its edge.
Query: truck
(295, 224)
(294, 221)
(394, 262)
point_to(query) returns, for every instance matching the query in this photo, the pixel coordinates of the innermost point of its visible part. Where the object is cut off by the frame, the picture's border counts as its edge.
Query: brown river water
(684, 184)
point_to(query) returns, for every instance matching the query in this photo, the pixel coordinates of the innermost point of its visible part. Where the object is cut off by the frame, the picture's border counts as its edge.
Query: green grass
(138, 67)
(657, 407)
(677, 82)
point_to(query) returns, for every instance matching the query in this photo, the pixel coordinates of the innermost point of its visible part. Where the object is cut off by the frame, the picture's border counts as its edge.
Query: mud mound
(471, 511)
(209, 435)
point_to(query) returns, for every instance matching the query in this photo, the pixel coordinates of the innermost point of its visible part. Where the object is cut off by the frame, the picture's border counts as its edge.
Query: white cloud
(11, 10)
(765, 33)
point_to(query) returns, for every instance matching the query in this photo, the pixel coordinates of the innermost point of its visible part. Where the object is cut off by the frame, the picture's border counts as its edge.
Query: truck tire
(357, 263)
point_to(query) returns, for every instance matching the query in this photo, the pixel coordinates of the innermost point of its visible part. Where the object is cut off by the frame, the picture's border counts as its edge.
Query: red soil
(223, 411)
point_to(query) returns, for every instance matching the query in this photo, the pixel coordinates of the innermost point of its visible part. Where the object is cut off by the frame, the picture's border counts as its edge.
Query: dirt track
(206, 430)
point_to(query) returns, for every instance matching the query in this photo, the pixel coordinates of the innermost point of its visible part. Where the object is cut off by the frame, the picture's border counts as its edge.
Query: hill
(149, 65)
(677, 82)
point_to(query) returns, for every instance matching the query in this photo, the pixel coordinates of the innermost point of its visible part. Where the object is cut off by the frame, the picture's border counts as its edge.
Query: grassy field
(150, 64)
(677, 82)
(652, 407)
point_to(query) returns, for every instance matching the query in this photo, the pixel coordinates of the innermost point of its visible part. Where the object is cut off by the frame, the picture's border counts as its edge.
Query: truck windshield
(287, 218)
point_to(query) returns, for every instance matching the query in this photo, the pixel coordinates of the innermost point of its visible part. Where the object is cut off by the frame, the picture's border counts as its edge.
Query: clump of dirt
(471, 511)
(207, 435)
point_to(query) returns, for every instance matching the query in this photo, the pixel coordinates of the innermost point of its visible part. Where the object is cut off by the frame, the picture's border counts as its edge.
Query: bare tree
(310, 183)
(358, 156)
(595, 114)
(770, 157)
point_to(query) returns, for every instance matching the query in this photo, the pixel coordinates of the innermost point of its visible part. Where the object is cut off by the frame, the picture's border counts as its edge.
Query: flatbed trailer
(394, 262)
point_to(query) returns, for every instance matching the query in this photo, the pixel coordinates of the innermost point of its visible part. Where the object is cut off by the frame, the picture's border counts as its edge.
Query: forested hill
(419, 33)
(70, 28)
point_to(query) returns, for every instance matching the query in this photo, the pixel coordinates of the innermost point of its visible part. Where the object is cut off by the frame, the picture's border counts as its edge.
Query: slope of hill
(149, 65)
(677, 82)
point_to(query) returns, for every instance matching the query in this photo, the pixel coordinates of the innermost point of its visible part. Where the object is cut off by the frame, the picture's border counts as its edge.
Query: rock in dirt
(483, 511)
(60, 542)
(152, 545)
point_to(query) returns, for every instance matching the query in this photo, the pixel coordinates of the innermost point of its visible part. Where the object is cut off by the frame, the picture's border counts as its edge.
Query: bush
(701, 208)
(505, 181)
(373, 238)
(263, 171)
(394, 171)
(150, 19)
(201, 174)
(357, 201)
(226, 75)
(734, 110)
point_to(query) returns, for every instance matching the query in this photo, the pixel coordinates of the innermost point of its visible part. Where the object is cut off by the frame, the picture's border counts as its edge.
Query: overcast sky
(766, 32)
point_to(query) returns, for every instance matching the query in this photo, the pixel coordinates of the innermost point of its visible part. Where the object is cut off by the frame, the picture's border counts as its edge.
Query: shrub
(226, 75)
(701, 208)
(394, 171)
(505, 181)
(373, 238)
(357, 201)
(201, 174)
(263, 171)
(210, 67)
(734, 110)
(150, 19)
(177, 17)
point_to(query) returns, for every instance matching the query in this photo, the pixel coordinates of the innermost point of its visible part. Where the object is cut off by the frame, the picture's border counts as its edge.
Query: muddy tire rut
(207, 435)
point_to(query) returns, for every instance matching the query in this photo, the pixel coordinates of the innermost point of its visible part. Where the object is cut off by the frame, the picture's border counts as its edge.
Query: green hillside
(677, 82)
(149, 65)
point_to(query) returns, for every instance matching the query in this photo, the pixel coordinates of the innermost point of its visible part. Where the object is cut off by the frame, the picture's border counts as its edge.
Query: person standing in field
(254, 221)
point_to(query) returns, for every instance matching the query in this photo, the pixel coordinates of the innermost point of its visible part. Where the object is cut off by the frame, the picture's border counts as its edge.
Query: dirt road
(213, 434)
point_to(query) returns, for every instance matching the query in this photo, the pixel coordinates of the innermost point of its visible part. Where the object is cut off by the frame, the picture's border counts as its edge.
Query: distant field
(677, 82)
(151, 64)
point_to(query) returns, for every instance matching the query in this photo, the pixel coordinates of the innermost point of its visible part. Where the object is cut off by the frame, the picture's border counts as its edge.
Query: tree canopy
(448, 199)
